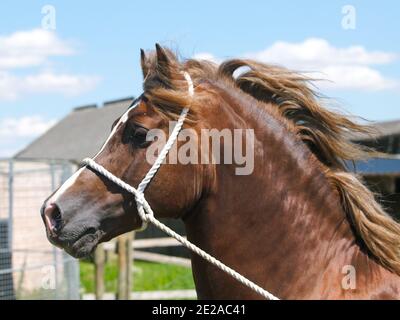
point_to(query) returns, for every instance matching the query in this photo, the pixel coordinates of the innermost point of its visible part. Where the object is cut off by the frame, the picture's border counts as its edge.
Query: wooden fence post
(129, 263)
(122, 272)
(99, 260)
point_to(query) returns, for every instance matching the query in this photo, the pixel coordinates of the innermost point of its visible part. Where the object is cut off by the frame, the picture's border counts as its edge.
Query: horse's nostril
(53, 218)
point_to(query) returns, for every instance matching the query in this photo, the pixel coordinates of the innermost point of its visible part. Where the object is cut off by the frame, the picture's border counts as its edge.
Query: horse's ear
(162, 59)
(143, 63)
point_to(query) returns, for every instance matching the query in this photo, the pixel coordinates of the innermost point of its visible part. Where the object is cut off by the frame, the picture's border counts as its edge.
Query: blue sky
(93, 53)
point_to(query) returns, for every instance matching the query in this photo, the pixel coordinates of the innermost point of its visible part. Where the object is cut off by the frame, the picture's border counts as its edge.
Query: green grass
(147, 276)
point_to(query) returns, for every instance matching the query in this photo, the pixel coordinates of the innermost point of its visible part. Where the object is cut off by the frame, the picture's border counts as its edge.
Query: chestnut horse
(300, 225)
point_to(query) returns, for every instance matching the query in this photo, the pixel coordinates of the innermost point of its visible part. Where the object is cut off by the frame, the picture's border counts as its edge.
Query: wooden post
(99, 260)
(129, 263)
(122, 272)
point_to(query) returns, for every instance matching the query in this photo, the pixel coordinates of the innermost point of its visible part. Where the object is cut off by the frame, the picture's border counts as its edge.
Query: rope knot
(139, 197)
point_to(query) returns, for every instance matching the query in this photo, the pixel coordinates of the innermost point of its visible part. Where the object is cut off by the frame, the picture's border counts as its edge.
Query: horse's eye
(137, 136)
(140, 134)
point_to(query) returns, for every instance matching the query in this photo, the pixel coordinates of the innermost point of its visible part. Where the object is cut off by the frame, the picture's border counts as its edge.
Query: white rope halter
(146, 213)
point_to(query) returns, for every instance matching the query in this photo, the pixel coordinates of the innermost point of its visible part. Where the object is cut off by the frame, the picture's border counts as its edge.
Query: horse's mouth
(84, 245)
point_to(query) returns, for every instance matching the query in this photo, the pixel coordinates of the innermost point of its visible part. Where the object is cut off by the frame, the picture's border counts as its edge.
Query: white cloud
(356, 77)
(318, 53)
(13, 87)
(15, 133)
(31, 48)
(28, 126)
(206, 56)
(344, 68)
(61, 83)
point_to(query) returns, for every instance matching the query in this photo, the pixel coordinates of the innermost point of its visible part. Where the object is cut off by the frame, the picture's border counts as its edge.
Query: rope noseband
(146, 213)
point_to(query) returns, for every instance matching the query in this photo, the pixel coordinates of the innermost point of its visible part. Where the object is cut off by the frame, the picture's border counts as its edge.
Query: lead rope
(147, 215)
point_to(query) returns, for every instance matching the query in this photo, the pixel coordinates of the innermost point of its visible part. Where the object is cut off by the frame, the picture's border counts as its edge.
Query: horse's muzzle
(77, 238)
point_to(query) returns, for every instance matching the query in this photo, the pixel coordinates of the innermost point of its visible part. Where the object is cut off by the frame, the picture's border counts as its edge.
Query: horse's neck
(281, 227)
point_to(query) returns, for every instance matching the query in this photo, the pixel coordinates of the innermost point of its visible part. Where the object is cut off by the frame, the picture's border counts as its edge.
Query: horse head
(88, 209)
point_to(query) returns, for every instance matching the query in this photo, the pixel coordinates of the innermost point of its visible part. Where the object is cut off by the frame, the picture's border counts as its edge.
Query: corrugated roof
(383, 129)
(80, 134)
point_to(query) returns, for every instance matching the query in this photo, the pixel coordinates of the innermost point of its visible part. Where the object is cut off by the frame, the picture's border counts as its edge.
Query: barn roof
(80, 134)
(383, 129)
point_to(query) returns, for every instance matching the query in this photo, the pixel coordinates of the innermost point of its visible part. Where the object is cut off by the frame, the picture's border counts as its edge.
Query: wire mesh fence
(31, 268)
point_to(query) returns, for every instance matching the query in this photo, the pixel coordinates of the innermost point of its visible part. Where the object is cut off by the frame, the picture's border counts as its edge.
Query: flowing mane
(325, 132)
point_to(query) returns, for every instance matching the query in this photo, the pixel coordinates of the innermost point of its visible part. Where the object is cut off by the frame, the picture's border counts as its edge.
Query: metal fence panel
(30, 267)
